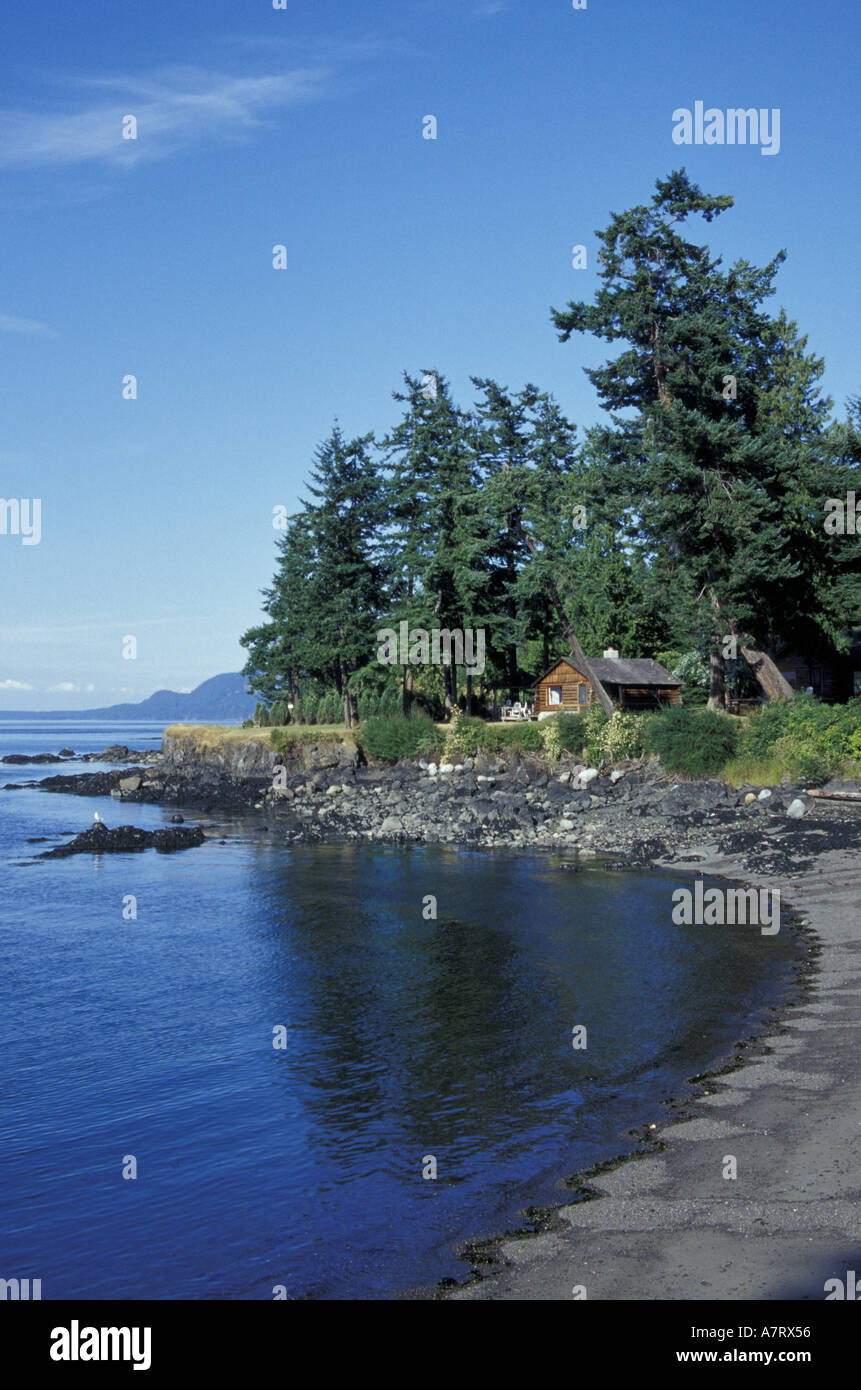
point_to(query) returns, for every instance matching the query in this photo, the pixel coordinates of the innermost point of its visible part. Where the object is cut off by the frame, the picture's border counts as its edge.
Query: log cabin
(635, 684)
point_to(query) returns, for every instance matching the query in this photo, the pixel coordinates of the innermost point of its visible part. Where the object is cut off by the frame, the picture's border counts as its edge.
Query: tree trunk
(775, 686)
(354, 708)
(449, 685)
(407, 691)
(773, 683)
(345, 694)
(468, 694)
(717, 686)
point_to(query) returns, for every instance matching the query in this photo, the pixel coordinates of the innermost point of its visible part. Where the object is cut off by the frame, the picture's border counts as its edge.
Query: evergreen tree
(433, 546)
(717, 488)
(325, 600)
(533, 474)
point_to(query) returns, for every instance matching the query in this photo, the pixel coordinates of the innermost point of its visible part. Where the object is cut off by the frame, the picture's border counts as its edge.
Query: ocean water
(405, 1038)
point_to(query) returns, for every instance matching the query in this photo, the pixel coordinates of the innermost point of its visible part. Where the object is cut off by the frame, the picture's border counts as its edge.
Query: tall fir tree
(721, 495)
(328, 591)
(433, 537)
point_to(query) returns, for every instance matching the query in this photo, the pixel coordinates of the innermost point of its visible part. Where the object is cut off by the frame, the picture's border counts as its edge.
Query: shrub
(693, 741)
(573, 733)
(278, 713)
(591, 732)
(468, 734)
(694, 671)
(804, 737)
(622, 736)
(390, 737)
(524, 736)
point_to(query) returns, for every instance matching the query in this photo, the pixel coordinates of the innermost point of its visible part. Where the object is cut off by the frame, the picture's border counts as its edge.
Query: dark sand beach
(666, 1224)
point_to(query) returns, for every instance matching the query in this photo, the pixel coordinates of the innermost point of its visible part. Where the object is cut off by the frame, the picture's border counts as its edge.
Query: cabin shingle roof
(610, 671)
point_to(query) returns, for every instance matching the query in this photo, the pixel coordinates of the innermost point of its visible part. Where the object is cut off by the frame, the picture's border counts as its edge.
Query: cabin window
(554, 695)
(581, 694)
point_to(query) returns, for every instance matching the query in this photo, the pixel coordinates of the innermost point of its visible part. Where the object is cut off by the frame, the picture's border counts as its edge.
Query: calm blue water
(405, 1038)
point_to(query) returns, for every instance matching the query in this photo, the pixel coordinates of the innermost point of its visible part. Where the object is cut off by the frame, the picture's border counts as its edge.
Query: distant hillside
(221, 697)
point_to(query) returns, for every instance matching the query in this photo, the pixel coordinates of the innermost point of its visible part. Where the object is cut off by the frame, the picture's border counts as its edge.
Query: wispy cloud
(8, 324)
(174, 108)
(15, 685)
(68, 688)
(72, 633)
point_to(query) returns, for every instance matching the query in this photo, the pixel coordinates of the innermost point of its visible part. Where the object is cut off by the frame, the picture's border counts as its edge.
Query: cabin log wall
(571, 681)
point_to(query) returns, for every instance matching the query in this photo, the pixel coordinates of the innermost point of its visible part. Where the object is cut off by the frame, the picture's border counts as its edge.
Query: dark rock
(177, 820)
(19, 759)
(558, 792)
(127, 839)
(85, 783)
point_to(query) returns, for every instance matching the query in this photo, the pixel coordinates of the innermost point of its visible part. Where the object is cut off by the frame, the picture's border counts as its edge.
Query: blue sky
(303, 127)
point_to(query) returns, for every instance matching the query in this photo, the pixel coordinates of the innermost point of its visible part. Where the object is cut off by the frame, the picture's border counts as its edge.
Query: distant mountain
(220, 698)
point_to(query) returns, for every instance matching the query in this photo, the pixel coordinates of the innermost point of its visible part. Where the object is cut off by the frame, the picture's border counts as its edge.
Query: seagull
(97, 820)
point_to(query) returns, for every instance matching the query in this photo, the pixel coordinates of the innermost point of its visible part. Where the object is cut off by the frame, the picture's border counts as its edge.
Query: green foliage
(670, 658)
(526, 737)
(467, 735)
(569, 732)
(394, 736)
(692, 669)
(804, 737)
(278, 713)
(717, 487)
(622, 737)
(695, 742)
(593, 735)
(594, 721)
(369, 706)
(247, 724)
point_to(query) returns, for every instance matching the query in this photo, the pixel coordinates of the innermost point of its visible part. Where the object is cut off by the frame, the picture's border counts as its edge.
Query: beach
(666, 1224)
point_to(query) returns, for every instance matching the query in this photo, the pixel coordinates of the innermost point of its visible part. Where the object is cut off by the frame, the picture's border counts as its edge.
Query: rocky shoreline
(637, 813)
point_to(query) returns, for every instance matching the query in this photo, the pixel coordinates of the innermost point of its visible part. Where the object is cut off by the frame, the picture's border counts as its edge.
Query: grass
(216, 735)
(767, 772)
(764, 773)
(283, 736)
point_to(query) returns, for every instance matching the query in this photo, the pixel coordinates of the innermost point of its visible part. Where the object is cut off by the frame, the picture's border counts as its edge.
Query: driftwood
(834, 796)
